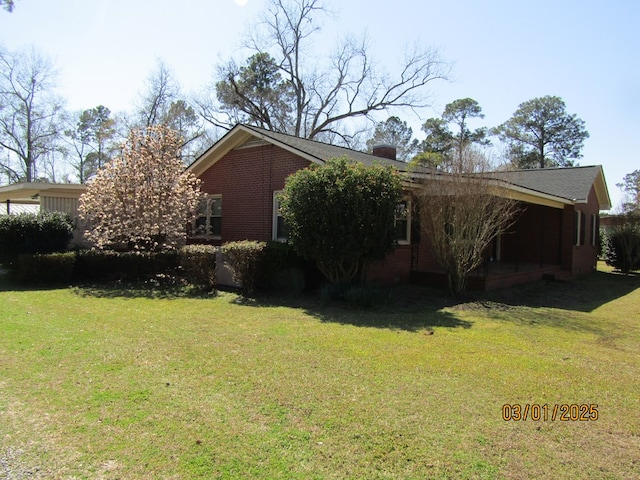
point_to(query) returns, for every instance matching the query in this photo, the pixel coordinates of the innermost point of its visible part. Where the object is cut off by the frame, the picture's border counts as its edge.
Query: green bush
(342, 215)
(602, 243)
(48, 268)
(96, 265)
(198, 265)
(244, 259)
(29, 233)
(623, 248)
(282, 269)
(107, 265)
(146, 265)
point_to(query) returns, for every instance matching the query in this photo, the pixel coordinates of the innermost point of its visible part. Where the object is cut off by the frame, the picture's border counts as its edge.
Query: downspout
(542, 237)
(518, 250)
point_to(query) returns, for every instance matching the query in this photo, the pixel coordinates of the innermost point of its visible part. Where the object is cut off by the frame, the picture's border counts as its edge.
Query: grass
(125, 383)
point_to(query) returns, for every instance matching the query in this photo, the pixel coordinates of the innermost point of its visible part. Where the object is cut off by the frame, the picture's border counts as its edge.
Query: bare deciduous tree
(162, 103)
(29, 112)
(460, 213)
(324, 93)
(161, 88)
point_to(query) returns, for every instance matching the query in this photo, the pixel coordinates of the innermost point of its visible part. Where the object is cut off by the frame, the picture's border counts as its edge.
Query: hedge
(198, 265)
(29, 233)
(107, 265)
(243, 258)
(48, 268)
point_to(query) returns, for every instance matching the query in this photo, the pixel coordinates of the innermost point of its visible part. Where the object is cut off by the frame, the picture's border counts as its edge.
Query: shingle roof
(324, 151)
(573, 183)
(557, 186)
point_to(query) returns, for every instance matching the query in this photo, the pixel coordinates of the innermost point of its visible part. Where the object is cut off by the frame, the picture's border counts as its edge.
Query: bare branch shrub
(460, 213)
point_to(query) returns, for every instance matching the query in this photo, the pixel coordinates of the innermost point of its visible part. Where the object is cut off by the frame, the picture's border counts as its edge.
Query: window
(208, 223)
(280, 231)
(594, 229)
(403, 222)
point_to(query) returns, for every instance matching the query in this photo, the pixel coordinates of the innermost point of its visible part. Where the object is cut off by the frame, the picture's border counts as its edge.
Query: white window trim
(274, 218)
(409, 207)
(208, 199)
(594, 230)
(578, 223)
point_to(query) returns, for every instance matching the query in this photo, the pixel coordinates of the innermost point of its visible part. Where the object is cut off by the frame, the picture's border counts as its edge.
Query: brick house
(555, 235)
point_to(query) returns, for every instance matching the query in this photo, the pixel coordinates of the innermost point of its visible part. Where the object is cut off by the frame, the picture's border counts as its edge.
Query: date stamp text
(545, 412)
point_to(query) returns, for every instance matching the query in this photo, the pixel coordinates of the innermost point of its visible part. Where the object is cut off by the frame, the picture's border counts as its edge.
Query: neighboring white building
(17, 208)
(46, 197)
(37, 197)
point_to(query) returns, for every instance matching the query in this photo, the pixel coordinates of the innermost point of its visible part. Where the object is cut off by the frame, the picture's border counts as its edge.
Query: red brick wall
(396, 267)
(246, 178)
(584, 257)
(535, 237)
(426, 259)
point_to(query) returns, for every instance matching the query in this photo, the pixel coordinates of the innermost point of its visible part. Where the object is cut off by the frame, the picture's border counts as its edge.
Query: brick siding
(246, 178)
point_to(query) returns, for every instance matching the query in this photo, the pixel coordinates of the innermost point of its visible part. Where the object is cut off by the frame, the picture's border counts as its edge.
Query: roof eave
(602, 191)
(29, 192)
(234, 138)
(230, 140)
(510, 190)
(285, 146)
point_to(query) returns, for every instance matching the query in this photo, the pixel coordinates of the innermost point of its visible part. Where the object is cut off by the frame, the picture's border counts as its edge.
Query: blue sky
(503, 52)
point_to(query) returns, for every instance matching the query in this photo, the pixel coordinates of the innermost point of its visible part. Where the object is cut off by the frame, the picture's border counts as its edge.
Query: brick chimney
(385, 151)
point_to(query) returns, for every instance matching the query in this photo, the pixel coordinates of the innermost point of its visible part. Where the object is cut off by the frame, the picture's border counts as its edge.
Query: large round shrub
(342, 215)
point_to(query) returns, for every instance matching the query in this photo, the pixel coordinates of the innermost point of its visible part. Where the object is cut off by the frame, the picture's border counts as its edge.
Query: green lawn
(115, 383)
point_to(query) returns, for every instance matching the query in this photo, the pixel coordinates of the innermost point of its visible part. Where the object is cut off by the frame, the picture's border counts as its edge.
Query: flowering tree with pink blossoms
(144, 199)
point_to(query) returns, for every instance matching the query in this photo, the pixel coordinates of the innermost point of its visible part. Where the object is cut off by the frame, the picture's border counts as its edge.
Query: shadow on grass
(407, 308)
(556, 305)
(583, 294)
(7, 284)
(161, 287)
(414, 308)
(411, 322)
(141, 290)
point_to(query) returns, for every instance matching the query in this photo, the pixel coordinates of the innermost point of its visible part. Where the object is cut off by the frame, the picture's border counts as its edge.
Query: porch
(494, 275)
